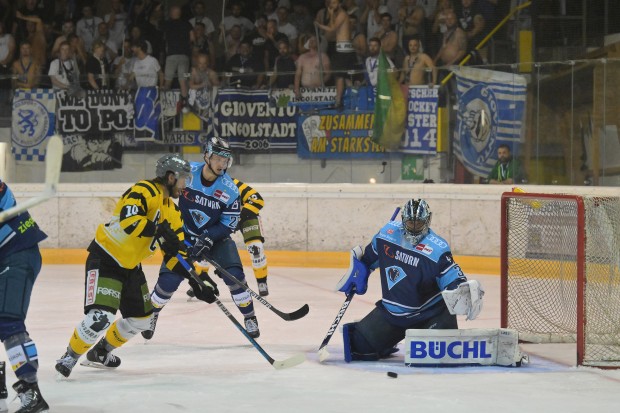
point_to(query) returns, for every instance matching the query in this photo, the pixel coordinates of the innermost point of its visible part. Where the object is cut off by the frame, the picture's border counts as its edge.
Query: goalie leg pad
(476, 346)
(372, 338)
(22, 353)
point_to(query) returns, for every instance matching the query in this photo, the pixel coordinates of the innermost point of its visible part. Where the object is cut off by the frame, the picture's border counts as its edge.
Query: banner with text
(337, 135)
(421, 126)
(252, 123)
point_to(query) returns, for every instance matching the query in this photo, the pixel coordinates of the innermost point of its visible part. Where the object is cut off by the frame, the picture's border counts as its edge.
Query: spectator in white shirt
(146, 70)
(117, 23)
(87, 26)
(236, 19)
(64, 71)
(198, 9)
(287, 28)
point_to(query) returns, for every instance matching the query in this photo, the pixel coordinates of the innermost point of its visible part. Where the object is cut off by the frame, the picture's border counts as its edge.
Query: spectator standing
(308, 72)
(231, 42)
(123, 67)
(411, 21)
(300, 18)
(87, 26)
(416, 66)
(372, 61)
(271, 46)
(247, 70)
(454, 42)
(202, 43)
(284, 26)
(7, 53)
(258, 39)
(236, 19)
(198, 9)
(146, 70)
(284, 67)
(472, 22)
(104, 37)
(97, 68)
(64, 71)
(36, 37)
(178, 35)
(25, 69)
(388, 37)
(117, 23)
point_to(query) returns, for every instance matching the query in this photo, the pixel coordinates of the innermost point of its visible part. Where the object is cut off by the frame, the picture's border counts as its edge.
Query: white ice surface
(199, 362)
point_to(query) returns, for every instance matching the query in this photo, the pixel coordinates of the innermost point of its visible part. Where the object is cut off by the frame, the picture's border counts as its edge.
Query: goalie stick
(277, 364)
(322, 351)
(53, 162)
(295, 315)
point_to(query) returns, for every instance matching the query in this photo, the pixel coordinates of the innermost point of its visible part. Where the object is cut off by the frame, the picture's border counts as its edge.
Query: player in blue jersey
(20, 263)
(211, 207)
(422, 286)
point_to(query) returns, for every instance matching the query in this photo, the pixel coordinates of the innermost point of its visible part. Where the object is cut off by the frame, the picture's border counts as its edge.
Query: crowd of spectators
(73, 44)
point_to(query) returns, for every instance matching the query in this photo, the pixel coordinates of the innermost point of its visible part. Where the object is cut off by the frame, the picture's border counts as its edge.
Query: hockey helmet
(219, 146)
(416, 217)
(172, 162)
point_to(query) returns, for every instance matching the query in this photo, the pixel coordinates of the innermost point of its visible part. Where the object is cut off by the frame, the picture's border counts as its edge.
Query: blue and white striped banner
(491, 107)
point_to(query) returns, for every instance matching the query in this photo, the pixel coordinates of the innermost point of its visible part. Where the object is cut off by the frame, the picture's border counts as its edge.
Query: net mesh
(541, 279)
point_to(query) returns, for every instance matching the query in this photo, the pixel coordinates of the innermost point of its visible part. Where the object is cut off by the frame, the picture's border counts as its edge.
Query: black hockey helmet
(416, 216)
(219, 146)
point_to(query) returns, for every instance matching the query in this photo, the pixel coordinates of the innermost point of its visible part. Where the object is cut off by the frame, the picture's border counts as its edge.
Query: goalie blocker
(469, 347)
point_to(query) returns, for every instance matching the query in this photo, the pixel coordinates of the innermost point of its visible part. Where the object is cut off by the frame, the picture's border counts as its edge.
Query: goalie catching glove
(466, 299)
(356, 278)
(208, 291)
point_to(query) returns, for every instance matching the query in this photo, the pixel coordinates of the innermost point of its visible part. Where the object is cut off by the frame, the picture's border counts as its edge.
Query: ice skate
(148, 334)
(251, 326)
(30, 398)
(65, 364)
(101, 358)
(263, 290)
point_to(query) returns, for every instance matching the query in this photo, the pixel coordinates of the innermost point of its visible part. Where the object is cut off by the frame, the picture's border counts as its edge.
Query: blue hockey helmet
(416, 217)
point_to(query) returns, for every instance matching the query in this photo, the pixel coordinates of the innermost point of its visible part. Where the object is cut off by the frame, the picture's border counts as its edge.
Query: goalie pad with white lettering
(466, 299)
(468, 347)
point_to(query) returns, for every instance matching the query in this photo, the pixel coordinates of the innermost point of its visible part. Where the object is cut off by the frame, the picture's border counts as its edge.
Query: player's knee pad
(10, 327)
(23, 356)
(259, 260)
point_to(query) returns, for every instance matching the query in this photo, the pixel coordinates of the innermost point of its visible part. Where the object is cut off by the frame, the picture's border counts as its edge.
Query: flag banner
(252, 124)
(147, 114)
(92, 152)
(200, 102)
(491, 109)
(33, 121)
(94, 112)
(421, 126)
(333, 134)
(185, 137)
(390, 107)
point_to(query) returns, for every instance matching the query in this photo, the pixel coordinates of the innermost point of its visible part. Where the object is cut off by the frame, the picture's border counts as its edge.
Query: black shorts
(112, 288)
(342, 62)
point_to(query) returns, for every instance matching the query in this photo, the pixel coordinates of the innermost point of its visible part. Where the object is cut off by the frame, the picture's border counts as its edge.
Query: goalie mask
(416, 217)
(218, 146)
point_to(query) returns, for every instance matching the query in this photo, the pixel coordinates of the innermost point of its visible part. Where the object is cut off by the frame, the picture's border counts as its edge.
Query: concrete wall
(311, 217)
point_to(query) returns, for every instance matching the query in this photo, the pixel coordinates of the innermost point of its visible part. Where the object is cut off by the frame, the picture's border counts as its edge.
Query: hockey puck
(392, 374)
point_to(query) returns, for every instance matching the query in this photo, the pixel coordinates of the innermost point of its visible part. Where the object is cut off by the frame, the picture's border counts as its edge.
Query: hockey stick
(295, 315)
(53, 162)
(277, 364)
(322, 352)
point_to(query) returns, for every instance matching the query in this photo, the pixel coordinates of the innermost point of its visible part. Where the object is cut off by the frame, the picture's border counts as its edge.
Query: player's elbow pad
(356, 277)
(466, 299)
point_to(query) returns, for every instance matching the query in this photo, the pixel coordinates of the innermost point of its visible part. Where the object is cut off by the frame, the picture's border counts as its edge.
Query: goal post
(560, 275)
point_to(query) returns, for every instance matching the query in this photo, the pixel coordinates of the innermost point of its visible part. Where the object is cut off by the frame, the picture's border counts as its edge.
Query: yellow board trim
(306, 259)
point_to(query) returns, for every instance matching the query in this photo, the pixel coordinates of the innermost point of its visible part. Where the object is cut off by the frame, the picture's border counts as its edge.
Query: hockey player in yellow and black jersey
(250, 227)
(144, 217)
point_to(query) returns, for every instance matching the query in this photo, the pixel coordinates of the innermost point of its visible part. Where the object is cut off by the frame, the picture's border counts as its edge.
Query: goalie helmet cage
(560, 276)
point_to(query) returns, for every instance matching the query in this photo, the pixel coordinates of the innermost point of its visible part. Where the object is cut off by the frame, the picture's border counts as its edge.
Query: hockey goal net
(560, 257)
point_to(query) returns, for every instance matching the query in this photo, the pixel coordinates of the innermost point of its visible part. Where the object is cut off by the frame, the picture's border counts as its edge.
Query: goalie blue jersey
(412, 276)
(213, 207)
(19, 232)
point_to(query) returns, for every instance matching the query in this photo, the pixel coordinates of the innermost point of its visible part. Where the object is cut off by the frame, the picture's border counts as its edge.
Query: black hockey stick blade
(295, 315)
(277, 364)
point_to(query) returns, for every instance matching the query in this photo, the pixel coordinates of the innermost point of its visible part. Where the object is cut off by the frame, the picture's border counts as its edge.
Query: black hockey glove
(202, 247)
(169, 242)
(206, 292)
